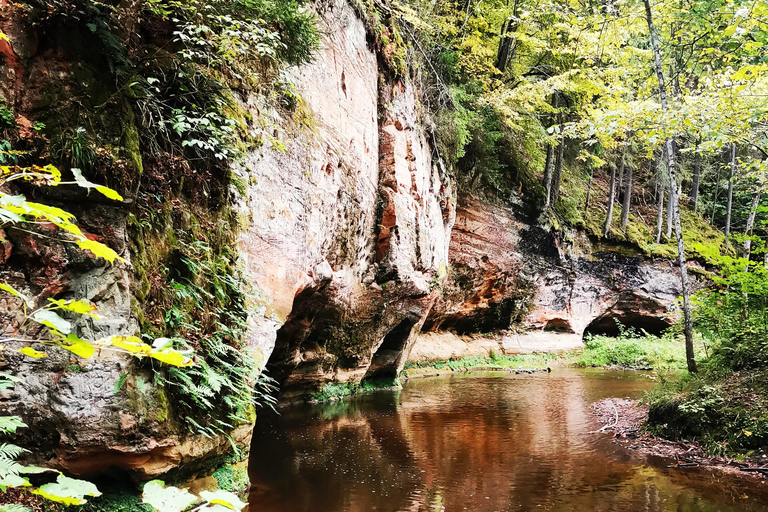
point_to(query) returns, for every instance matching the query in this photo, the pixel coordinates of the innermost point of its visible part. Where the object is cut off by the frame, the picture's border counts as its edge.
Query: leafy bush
(724, 405)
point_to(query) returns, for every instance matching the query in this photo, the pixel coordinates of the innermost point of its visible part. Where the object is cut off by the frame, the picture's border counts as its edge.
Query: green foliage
(209, 311)
(231, 478)
(340, 390)
(538, 360)
(727, 414)
(724, 405)
(123, 501)
(7, 118)
(75, 149)
(14, 508)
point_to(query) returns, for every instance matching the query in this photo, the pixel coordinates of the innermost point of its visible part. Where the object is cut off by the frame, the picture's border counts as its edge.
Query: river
(482, 442)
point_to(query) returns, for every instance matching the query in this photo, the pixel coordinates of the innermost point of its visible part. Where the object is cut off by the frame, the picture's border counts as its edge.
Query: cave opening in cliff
(559, 325)
(384, 362)
(609, 324)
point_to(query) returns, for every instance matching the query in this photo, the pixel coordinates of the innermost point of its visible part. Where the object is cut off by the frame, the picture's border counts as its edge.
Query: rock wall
(540, 291)
(350, 222)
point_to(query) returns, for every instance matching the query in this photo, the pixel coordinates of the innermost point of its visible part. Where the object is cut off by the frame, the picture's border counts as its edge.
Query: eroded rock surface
(507, 274)
(350, 223)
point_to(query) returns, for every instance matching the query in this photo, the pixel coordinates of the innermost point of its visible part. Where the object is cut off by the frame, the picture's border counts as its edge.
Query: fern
(9, 468)
(9, 424)
(7, 380)
(10, 451)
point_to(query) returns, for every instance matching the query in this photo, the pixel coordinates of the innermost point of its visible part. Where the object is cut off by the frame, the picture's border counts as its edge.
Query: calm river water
(484, 442)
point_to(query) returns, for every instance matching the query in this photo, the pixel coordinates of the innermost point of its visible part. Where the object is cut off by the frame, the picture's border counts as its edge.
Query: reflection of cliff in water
(341, 456)
(488, 443)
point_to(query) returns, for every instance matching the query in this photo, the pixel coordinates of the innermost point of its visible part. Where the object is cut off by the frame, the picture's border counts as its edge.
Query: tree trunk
(507, 44)
(751, 220)
(660, 214)
(729, 202)
(627, 200)
(589, 190)
(558, 172)
(548, 174)
(688, 322)
(670, 203)
(611, 198)
(714, 197)
(696, 175)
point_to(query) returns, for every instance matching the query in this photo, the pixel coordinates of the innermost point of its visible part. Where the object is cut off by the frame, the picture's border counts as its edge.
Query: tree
(670, 154)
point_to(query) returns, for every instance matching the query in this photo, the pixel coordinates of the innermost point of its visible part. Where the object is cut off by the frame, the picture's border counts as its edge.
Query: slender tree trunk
(670, 206)
(714, 198)
(688, 322)
(696, 176)
(729, 203)
(751, 220)
(611, 198)
(627, 200)
(548, 174)
(551, 176)
(589, 189)
(660, 213)
(558, 172)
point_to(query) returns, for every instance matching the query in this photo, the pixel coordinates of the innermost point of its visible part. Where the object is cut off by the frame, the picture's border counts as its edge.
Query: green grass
(517, 361)
(340, 390)
(635, 351)
(629, 350)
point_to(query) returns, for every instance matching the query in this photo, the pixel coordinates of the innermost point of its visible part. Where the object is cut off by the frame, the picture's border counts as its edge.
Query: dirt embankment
(625, 419)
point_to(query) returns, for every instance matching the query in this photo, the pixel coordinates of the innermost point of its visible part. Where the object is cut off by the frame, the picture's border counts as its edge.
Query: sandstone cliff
(346, 233)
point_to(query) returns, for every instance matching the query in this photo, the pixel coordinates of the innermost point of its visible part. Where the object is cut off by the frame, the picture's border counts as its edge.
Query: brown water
(484, 442)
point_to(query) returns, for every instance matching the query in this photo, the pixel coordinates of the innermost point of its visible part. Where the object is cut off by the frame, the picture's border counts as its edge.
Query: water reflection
(478, 443)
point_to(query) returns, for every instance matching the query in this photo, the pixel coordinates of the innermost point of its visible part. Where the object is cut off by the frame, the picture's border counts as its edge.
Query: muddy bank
(625, 419)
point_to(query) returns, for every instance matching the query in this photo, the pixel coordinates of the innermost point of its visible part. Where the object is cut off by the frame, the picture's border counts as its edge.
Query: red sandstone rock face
(506, 274)
(349, 224)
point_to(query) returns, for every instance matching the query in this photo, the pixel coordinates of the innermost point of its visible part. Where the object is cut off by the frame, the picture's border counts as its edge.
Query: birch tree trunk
(558, 172)
(548, 174)
(670, 206)
(660, 214)
(729, 202)
(670, 150)
(611, 198)
(695, 184)
(751, 220)
(627, 200)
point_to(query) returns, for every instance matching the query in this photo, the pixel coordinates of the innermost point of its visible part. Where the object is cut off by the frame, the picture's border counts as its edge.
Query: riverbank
(629, 351)
(626, 418)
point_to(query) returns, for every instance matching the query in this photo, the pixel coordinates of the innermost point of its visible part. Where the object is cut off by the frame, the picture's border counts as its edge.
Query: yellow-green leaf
(130, 344)
(224, 499)
(79, 347)
(13, 291)
(80, 307)
(29, 351)
(171, 357)
(99, 250)
(108, 192)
